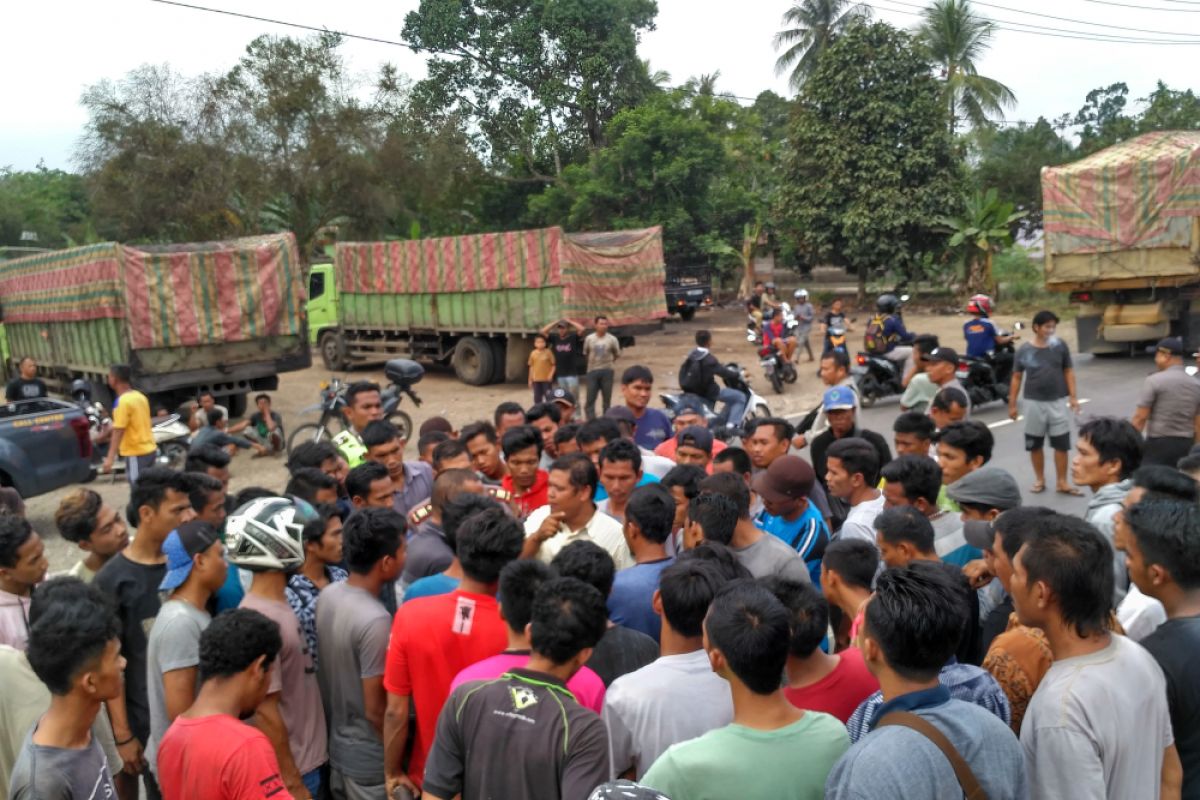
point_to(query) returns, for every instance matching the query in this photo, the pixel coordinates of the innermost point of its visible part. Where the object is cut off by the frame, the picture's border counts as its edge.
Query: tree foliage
(50, 204)
(955, 38)
(977, 233)
(812, 27)
(1010, 160)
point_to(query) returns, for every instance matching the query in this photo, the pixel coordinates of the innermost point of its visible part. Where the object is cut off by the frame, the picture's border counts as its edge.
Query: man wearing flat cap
(1168, 410)
(787, 513)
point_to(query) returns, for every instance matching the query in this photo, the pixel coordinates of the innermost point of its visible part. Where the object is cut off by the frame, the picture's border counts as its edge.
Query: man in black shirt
(28, 386)
(524, 734)
(567, 346)
(840, 404)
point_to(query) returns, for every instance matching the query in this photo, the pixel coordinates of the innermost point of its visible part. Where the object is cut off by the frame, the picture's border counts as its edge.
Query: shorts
(1047, 418)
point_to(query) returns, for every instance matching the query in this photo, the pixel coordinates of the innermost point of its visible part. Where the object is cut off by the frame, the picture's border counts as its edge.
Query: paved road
(1107, 386)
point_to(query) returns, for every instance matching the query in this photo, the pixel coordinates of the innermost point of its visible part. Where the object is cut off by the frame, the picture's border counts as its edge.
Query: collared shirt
(1173, 398)
(601, 529)
(418, 486)
(923, 698)
(534, 497)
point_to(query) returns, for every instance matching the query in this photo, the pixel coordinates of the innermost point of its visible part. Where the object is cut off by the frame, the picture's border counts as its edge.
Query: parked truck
(1122, 235)
(688, 288)
(477, 301)
(225, 317)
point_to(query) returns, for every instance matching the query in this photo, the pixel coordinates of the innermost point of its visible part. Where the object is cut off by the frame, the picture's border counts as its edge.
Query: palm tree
(955, 38)
(812, 27)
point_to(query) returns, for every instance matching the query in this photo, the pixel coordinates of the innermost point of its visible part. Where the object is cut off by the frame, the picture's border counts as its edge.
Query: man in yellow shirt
(133, 435)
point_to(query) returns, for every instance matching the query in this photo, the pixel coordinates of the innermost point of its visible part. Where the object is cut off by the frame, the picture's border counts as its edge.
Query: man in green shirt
(364, 405)
(772, 749)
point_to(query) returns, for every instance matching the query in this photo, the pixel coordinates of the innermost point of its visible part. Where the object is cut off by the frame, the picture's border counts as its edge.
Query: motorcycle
(837, 339)
(988, 379)
(756, 406)
(402, 374)
(170, 433)
(333, 400)
(876, 377)
(775, 365)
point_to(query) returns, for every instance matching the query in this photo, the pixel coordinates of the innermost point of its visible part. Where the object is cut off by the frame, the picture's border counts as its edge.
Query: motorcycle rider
(698, 376)
(775, 333)
(835, 317)
(886, 334)
(805, 314)
(983, 337)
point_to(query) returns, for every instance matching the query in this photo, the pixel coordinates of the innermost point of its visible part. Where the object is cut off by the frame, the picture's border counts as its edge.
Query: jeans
(312, 782)
(599, 381)
(734, 406)
(541, 391)
(569, 382)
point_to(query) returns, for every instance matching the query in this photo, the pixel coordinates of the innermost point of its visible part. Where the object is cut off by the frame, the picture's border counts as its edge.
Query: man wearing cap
(788, 515)
(982, 495)
(834, 371)
(941, 365)
(1168, 410)
(840, 405)
(654, 465)
(564, 398)
(688, 412)
(694, 446)
(195, 570)
(563, 338)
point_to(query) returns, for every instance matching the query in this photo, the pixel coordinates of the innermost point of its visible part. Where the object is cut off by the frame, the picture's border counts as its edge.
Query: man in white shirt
(852, 473)
(570, 515)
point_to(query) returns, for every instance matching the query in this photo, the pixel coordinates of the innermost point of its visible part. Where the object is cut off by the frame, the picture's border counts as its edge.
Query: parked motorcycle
(171, 435)
(170, 432)
(333, 400)
(756, 406)
(402, 373)
(775, 366)
(989, 378)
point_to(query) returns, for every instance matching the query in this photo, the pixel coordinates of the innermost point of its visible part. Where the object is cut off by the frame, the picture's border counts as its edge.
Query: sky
(55, 48)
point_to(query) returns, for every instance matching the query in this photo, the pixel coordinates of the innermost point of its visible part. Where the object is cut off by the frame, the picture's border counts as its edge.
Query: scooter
(775, 366)
(988, 379)
(756, 406)
(876, 377)
(170, 432)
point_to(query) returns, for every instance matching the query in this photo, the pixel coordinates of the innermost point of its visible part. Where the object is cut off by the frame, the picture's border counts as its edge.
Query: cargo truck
(225, 317)
(1122, 235)
(476, 302)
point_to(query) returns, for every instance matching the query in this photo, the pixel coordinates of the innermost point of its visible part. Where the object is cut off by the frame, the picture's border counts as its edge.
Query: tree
(1103, 119)
(982, 229)
(49, 203)
(870, 161)
(956, 38)
(1011, 160)
(1169, 110)
(814, 26)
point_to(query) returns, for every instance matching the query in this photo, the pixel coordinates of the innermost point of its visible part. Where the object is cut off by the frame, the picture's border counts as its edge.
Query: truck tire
(332, 352)
(687, 314)
(500, 353)
(236, 405)
(474, 361)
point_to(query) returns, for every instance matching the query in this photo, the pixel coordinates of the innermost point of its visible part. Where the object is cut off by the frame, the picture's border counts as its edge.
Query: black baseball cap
(697, 437)
(561, 395)
(944, 354)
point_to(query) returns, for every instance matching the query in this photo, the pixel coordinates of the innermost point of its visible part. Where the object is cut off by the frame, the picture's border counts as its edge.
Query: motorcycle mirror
(1191, 371)
(903, 298)
(1019, 326)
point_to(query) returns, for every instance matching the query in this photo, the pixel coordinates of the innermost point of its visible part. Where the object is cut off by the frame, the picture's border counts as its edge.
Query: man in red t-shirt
(529, 485)
(433, 638)
(208, 752)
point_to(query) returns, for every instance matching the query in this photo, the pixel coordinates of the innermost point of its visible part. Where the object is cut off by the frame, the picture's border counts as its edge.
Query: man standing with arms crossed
(1047, 361)
(1168, 410)
(602, 350)
(132, 436)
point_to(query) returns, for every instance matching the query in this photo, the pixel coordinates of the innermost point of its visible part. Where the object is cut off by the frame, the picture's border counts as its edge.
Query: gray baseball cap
(988, 486)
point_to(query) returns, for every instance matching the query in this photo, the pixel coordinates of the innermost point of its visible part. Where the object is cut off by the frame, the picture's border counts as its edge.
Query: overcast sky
(54, 48)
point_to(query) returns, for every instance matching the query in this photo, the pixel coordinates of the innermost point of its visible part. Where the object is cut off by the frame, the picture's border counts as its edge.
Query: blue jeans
(734, 406)
(312, 782)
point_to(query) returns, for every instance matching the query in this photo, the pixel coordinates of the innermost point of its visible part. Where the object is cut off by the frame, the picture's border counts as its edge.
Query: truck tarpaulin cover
(1139, 194)
(172, 296)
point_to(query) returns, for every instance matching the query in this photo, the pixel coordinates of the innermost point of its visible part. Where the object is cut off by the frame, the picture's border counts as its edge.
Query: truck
(225, 317)
(687, 289)
(45, 444)
(1122, 236)
(476, 302)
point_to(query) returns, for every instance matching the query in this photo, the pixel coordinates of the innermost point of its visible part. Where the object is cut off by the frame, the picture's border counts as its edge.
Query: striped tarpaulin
(63, 286)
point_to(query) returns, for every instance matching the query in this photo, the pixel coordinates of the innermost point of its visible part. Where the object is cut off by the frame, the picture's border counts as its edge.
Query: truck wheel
(687, 314)
(474, 361)
(500, 353)
(236, 405)
(331, 351)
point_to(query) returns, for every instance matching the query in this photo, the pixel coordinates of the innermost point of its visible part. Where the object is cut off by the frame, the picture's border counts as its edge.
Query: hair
(522, 437)
(783, 429)
(250, 494)
(205, 457)
(460, 508)
(1188, 463)
(446, 450)
(916, 423)
(1164, 483)
(686, 477)
(622, 450)
(808, 613)
(14, 533)
(1114, 439)
(307, 481)
(916, 616)
(379, 432)
(431, 439)
(637, 373)
(152, 487)
(716, 514)
(359, 479)
(926, 342)
(436, 424)
(519, 582)
(687, 588)
(736, 456)
(360, 387)
(906, 524)
(540, 410)
(1015, 524)
(587, 561)
(970, 436)
(1168, 534)
(581, 472)
(1076, 562)
(949, 397)
(703, 338)
(854, 560)
(486, 541)
(370, 535)
(214, 416)
(122, 372)
(568, 616)
(484, 429)
(857, 457)
(652, 509)
(206, 393)
(594, 430)
(262, 396)
(719, 556)
(838, 357)
(732, 486)
(750, 628)
(73, 625)
(450, 483)
(310, 454)
(235, 640)
(204, 486)
(314, 529)
(78, 515)
(919, 476)
(1043, 317)
(505, 409)
(566, 433)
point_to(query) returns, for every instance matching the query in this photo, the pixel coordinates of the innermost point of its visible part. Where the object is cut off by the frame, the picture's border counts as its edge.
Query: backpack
(874, 341)
(691, 376)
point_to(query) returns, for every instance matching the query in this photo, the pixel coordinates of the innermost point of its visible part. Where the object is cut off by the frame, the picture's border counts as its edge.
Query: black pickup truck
(688, 288)
(45, 444)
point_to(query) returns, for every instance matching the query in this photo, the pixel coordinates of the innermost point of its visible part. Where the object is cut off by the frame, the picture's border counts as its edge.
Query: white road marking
(1002, 422)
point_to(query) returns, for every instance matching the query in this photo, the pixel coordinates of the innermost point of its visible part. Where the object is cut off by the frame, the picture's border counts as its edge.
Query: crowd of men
(554, 604)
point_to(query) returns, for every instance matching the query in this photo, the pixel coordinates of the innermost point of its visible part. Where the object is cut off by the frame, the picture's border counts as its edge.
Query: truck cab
(322, 301)
(688, 288)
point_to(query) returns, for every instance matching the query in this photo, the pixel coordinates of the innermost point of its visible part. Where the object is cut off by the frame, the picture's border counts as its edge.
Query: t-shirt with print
(293, 676)
(218, 758)
(980, 335)
(522, 735)
(21, 389)
(808, 535)
(55, 773)
(431, 586)
(584, 684)
(568, 353)
(352, 634)
(541, 365)
(1043, 368)
(1176, 648)
(601, 351)
(432, 640)
(174, 644)
(630, 603)
(653, 428)
(131, 414)
(839, 692)
(770, 556)
(134, 588)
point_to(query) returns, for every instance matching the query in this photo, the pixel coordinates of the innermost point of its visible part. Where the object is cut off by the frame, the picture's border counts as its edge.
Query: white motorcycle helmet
(265, 535)
(801, 295)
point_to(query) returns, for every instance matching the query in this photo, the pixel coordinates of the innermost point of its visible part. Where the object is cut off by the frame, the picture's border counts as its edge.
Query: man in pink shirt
(519, 582)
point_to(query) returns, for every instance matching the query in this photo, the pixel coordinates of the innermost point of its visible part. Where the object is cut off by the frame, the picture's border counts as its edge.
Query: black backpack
(691, 376)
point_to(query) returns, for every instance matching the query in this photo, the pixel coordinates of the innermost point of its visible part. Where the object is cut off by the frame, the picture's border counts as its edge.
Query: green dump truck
(476, 301)
(225, 317)
(1122, 233)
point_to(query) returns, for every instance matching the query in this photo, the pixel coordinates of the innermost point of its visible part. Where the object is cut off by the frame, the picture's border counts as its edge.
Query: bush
(1019, 279)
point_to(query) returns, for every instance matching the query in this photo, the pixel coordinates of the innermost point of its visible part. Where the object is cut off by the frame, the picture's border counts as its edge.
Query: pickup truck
(688, 288)
(45, 444)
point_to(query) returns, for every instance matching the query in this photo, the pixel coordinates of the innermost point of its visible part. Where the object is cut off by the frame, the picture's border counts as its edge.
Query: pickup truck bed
(44, 445)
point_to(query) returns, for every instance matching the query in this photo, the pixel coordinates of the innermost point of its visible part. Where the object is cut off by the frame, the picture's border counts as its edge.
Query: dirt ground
(443, 394)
